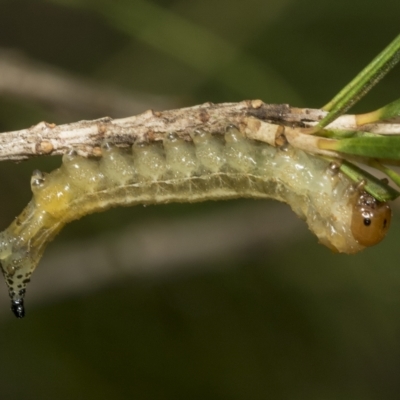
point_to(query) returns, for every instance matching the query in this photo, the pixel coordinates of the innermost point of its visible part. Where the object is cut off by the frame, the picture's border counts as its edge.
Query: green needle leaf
(391, 110)
(393, 175)
(381, 147)
(343, 134)
(363, 82)
(374, 186)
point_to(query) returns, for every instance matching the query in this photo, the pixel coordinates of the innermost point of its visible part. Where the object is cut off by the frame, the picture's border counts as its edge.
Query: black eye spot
(384, 223)
(367, 222)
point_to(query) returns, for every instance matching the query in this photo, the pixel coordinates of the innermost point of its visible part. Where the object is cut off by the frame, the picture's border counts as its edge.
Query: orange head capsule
(370, 220)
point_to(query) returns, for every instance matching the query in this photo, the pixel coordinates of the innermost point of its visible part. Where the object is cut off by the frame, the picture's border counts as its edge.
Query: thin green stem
(363, 82)
(374, 186)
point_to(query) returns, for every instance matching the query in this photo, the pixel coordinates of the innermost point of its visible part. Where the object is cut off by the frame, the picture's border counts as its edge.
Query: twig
(86, 136)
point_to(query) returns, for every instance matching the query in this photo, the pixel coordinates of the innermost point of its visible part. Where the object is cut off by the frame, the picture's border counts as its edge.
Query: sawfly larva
(206, 166)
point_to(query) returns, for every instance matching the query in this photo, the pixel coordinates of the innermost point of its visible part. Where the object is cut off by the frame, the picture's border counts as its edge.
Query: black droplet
(17, 307)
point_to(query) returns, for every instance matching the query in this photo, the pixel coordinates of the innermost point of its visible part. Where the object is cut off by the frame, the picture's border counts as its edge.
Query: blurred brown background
(229, 300)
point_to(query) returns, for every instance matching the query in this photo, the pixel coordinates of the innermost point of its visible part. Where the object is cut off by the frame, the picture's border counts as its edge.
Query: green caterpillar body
(207, 167)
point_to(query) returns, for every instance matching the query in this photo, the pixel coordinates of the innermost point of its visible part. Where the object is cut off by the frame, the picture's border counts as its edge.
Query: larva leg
(212, 166)
(180, 157)
(209, 150)
(117, 165)
(148, 160)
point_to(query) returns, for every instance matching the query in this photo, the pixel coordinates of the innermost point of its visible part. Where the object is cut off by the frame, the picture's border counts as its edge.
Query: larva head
(370, 220)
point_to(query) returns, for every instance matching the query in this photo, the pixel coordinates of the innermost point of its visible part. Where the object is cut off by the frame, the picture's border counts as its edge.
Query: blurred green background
(230, 300)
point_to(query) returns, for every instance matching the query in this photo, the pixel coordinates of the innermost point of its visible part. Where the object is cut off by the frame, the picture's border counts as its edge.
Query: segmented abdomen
(202, 167)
